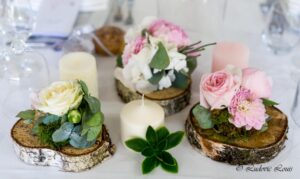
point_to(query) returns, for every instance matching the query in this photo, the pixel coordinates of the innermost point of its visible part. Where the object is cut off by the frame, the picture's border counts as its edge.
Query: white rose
(59, 97)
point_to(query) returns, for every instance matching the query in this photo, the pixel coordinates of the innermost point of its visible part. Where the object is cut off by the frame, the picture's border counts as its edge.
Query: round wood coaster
(29, 149)
(172, 100)
(260, 147)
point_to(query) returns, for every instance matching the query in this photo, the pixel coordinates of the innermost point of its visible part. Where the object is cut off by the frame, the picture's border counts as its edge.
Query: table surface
(243, 22)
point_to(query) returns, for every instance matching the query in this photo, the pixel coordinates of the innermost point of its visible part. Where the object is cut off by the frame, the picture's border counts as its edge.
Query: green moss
(44, 133)
(223, 130)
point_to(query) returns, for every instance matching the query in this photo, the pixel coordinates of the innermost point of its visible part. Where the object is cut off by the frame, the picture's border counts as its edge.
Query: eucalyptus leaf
(174, 139)
(93, 103)
(156, 77)
(170, 168)
(93, 133)
(119, 61)
(151, 135)
(95, 120)
(161, 58)
(268, 102)
(50, 118)
(27, 121)
(78, 141)
(149, 164)
(84, 87)
(191, 63)
(137, 144)
(203, 117)
(63, 133)
(93, 126)
(28, 114)
(181, 80)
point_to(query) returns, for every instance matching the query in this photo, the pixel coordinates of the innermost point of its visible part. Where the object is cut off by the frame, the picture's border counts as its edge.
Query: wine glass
(23, 69)
(296, 105)
(279, 34)
(22, 81)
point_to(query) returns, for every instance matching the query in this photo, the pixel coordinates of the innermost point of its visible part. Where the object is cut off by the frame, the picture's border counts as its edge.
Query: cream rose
(59, 98)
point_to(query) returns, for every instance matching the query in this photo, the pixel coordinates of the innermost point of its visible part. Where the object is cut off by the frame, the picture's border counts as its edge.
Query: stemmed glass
(24, 70)
(279, 34)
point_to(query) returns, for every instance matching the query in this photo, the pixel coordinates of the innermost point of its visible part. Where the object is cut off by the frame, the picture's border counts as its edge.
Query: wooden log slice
(260, 147)
(29, 149)
(172, 99)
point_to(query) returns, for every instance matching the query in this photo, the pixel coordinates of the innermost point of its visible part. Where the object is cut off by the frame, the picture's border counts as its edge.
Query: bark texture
(257, 148)
(172, 100)
(69, 159)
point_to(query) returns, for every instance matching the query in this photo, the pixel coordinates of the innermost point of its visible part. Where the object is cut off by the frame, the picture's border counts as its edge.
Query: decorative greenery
(268, 102)
(79, 127)
(154, 149)
(27, 115)
(194, 48)
(203, 117)
(218, 121)
(181, 80)
(119, 61)
(161, 58)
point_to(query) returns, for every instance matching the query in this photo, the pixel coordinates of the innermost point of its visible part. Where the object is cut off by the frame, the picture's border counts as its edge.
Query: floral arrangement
(158, 55)
(233, 101)
(65, 113)
(155, 147)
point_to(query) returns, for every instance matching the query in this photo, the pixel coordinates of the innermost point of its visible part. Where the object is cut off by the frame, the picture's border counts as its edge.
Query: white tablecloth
(243, 23)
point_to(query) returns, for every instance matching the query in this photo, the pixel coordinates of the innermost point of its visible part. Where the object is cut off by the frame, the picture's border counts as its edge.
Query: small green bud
(74, 116)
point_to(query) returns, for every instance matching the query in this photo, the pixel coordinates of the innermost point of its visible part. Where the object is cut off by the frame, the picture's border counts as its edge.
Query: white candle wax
(137, 115)
(82, 66)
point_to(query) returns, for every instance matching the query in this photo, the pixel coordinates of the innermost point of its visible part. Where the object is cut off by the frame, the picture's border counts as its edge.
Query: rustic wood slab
(260, 147)
(29, 149)
(172, 100)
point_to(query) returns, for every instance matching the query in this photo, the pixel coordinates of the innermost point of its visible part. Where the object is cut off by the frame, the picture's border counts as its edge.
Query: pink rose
(218, 88)
(133, 47)
(257, 82)
(170, 32)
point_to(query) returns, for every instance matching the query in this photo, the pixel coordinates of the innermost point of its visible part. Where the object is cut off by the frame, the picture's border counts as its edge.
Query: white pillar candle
(137, 115)
(82, 66)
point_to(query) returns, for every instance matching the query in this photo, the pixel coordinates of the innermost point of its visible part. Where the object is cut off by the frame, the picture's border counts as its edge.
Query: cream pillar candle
(82, 66)
(137, 115)
(229, 53)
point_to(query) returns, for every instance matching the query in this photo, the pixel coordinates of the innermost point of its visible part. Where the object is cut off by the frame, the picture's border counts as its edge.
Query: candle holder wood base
(69, 159)
(258, 148)
(172, 100)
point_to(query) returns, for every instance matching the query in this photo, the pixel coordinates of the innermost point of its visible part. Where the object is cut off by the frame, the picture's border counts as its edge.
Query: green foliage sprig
(154, 149)
(79, 127)
(218, 120)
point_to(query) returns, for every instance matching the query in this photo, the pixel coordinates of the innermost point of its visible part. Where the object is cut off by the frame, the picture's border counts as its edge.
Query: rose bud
(74, 116)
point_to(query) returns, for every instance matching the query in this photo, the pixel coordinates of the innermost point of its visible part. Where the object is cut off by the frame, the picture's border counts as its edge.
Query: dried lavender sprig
(201, 48)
